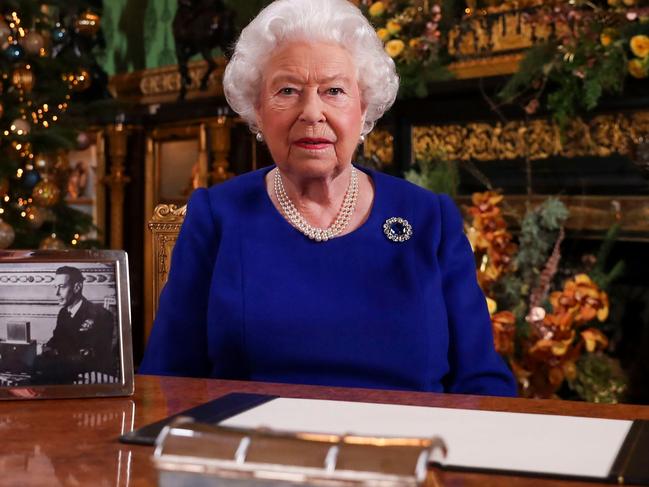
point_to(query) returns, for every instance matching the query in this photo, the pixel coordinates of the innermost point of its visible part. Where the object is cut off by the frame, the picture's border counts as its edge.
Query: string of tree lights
(48, 76)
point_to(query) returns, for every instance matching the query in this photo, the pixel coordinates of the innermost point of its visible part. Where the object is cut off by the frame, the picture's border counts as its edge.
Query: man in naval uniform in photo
(82, 342)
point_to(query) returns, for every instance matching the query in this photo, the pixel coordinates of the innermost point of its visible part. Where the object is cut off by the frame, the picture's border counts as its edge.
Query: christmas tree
(48, 77)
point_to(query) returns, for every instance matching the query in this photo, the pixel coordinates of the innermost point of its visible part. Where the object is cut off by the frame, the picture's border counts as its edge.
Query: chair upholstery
(164, 225)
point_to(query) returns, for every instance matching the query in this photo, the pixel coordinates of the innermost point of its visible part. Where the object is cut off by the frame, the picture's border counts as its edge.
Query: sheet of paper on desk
(535, 443)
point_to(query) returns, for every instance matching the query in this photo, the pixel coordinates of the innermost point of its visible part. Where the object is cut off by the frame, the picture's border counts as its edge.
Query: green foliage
(599, 379)
(436, 174)
(598, 274)
(538, 235)
(572, 72)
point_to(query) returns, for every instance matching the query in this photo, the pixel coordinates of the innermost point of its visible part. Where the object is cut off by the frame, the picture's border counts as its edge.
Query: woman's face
(310, 110)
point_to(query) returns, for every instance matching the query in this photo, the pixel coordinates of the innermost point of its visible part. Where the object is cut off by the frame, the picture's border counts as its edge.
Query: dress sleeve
(178, 341)
(475, 366)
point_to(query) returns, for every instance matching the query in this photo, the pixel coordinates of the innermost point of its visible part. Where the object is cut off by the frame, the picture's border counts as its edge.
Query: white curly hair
(335, 21)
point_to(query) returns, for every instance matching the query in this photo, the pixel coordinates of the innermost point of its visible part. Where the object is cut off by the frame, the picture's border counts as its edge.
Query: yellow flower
(383, 34)
(594, 339)
(394, 47)
(640, 45)
(393, 27)
(492, 306)
(414, 43)
(377, 9)
(637, 68)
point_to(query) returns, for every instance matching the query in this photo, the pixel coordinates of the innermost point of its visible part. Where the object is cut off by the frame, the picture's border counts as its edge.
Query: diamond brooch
(397, 229)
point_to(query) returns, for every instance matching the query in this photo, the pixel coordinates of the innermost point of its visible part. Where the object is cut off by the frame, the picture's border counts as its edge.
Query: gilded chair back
(164, 226)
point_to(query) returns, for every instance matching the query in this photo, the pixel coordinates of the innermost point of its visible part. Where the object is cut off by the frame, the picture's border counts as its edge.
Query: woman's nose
(312, 108)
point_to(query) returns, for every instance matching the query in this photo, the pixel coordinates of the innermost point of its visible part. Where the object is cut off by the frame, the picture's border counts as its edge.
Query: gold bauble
(44, 163)
(20, 127)
(88, 23)
(33, 42)
(7, 235)
(52, 243)
(23, 78)
(46, 193)
(35, 216)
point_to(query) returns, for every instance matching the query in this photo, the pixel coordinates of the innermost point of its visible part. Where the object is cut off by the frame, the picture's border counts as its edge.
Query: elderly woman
(315, 271)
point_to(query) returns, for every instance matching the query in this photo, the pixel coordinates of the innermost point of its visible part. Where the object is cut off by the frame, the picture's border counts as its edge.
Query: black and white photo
(64, 324)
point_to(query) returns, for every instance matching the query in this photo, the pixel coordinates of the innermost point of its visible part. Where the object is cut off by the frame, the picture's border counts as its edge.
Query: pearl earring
(361, 139)
(259, 136)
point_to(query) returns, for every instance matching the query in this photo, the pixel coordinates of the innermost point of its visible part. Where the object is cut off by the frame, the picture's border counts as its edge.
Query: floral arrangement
(592, 52)
(410, 31)
(552, 340)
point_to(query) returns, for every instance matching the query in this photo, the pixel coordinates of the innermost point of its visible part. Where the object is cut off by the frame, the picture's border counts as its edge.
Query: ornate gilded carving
(160, 85)
(488, 34)
(380, 143)
(168, 213)
(164, 225)
(602, 136)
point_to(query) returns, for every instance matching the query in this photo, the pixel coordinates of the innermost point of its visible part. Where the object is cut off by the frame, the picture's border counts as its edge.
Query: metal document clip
(190, 453)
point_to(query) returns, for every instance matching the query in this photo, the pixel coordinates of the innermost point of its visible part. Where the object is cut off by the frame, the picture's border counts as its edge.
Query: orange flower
(504, 329)
(548, 348)
(581, 298)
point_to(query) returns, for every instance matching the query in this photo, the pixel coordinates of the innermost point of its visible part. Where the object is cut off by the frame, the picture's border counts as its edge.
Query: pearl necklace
(296, 219)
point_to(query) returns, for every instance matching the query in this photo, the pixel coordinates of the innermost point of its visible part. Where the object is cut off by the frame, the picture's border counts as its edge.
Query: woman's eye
(287, 91)
(335, 91)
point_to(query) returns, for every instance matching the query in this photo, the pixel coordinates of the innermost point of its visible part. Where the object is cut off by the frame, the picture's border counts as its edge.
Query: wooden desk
(74, 442)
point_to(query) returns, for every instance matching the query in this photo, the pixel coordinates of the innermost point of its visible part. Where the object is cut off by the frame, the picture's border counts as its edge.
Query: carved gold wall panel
(483, 34)
(162, 85)
(594, 214)
(380, 143)
(602, 136)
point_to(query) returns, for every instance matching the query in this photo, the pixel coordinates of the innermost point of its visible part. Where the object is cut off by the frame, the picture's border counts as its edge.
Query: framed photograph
(65, 324)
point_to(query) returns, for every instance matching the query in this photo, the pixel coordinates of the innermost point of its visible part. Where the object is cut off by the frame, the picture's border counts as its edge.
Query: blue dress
(249, 297)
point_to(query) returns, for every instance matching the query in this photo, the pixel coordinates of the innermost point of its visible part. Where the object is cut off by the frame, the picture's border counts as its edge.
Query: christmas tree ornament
(4, 187)
(44, 163)
(59, 33)
(83, 140)
(52, 243)
(33, 42)
(5, 31)
(46, 193)
(23, 78)
(7, 235)
(15, 52)
(20, 127)
(30, 178)
(35, 217)
(81, 80)
(87, 23)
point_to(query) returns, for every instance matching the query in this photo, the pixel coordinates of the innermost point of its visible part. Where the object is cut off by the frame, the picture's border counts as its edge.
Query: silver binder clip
(198, 454)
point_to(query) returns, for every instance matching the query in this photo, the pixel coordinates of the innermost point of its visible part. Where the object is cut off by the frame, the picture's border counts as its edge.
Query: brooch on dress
(397, 229)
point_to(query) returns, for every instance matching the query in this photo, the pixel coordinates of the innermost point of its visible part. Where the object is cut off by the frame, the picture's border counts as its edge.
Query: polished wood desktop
(74, 442)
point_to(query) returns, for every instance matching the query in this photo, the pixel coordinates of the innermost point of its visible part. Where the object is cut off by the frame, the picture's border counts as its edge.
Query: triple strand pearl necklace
(296, 219)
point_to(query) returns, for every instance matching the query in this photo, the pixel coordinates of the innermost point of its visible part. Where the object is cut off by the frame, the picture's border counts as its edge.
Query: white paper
(537, 443)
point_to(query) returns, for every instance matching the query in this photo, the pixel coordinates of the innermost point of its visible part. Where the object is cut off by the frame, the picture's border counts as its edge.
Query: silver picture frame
(65, 324)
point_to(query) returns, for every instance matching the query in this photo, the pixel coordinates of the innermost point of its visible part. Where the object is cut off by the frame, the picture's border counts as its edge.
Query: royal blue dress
(250, 297)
